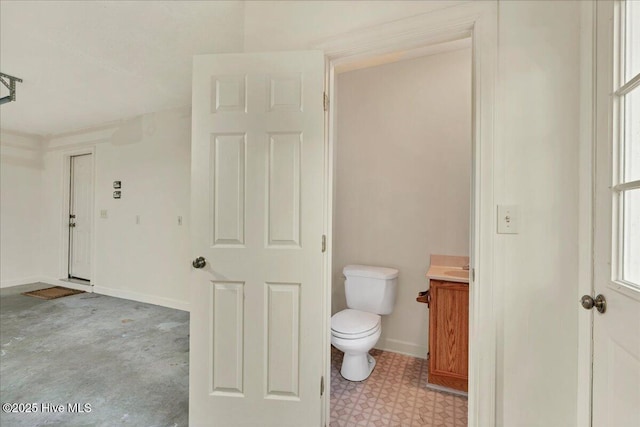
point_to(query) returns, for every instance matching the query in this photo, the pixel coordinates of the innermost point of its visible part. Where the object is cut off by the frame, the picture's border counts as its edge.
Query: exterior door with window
(257, 192)
(80, 216)
(616, 332)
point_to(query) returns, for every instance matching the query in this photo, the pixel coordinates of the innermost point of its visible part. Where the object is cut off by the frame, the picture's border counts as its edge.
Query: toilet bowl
(370, 292)
(354, 333)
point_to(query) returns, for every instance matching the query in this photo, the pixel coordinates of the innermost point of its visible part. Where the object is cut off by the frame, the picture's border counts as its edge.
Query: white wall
(538, 130)
(20, 192)
(403, 165)
(148, 261)
(536, 166)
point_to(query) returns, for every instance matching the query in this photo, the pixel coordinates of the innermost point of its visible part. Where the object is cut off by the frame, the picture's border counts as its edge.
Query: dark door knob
(199, 262)
(599, 303)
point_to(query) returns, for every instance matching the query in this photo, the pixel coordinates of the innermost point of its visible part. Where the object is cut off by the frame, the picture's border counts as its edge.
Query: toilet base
(357, 367)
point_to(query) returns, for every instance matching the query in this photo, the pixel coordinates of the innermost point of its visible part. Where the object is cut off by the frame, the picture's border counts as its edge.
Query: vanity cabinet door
(449, 334)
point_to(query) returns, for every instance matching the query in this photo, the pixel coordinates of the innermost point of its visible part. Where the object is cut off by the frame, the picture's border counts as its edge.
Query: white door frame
(478, 20)
(64, 220)
(586, 208)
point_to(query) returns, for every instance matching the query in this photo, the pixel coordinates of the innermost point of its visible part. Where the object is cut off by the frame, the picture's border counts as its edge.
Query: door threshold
(77, 281)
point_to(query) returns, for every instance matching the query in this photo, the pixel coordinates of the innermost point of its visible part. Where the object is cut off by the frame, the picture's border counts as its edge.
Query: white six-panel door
(80, 206)
(256, 352)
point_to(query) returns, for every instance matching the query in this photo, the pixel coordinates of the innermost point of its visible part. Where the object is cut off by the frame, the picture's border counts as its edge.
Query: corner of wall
(21, 156)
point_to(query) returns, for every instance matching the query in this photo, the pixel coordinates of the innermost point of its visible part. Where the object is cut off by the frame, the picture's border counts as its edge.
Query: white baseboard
(402, 347)
(19, 282)
(136, 296)
(118, 293)
(447, 390)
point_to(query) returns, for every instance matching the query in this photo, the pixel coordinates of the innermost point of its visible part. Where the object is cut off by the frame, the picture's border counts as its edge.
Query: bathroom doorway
(402, 192)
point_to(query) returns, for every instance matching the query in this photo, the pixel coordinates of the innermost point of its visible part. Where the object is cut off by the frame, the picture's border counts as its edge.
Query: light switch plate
(103, 213)
(508, 219)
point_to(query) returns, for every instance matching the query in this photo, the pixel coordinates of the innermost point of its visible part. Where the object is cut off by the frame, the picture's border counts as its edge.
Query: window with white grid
(626, 146)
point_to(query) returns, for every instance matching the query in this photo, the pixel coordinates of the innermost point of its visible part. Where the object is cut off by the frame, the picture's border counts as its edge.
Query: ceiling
(88, 62)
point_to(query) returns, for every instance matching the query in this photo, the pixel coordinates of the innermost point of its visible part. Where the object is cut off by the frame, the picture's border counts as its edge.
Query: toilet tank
(370, 289)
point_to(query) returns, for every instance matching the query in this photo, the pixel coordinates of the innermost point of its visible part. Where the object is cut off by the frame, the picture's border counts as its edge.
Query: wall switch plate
(103, 213)
(508, 219)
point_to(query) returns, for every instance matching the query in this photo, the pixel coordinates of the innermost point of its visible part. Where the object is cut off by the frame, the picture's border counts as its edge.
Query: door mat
(52, 293)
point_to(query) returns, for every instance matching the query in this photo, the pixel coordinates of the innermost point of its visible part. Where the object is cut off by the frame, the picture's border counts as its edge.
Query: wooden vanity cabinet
(448, 334)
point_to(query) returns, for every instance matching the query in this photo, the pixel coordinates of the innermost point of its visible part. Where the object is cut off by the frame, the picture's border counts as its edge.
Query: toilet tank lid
(370, 271)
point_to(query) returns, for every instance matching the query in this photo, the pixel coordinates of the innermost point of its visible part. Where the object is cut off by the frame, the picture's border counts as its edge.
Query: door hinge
(324, 243)
(473, 275)
(322, 385)
(325, 101)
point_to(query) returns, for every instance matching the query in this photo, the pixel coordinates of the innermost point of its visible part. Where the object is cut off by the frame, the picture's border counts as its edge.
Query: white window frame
(621, 87)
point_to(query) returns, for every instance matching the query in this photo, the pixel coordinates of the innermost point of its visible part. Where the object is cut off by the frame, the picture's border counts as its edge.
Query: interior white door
(80, 216)
(616, 332)
(256, 351)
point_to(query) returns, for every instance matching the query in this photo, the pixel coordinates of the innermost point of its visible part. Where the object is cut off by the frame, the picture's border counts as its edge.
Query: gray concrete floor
(128, 360)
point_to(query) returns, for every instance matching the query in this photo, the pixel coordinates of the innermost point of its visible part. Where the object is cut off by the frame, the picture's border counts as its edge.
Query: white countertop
(449, 268)
(450, 274)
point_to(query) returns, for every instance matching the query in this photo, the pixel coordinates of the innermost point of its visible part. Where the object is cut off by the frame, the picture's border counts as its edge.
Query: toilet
(371, 292)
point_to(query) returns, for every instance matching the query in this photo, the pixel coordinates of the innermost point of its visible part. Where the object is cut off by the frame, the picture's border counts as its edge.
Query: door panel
(227, 175)
(256, 353)
(283, 196)
(80, 205)
(227, 345)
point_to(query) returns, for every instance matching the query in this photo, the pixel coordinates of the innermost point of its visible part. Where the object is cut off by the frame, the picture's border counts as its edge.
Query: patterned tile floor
(394, 395)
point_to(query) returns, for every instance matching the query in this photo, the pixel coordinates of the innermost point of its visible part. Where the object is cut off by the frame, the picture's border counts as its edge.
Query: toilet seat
(353, 324)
